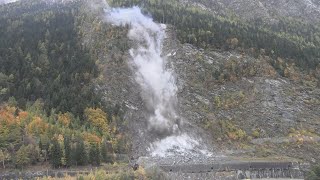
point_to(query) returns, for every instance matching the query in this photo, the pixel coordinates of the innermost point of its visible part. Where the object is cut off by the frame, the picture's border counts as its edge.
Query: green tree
(22, 157)
(4, 134)
(44, 145)
(80, 154)
(68, 151)
(104, 153)
(55, 154)
(94, 154)
(15, 135)
(34, 153)
(97, 155)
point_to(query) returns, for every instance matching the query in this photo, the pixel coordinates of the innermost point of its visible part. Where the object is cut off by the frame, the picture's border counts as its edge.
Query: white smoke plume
(157, 82)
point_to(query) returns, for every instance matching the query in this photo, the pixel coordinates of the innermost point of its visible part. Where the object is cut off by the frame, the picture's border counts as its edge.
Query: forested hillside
(49, 108)
(292, 39)
(42, 57)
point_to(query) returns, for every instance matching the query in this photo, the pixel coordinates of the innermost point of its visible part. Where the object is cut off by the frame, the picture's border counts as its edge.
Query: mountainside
(269, 11)
(248, 99)
(175, 84)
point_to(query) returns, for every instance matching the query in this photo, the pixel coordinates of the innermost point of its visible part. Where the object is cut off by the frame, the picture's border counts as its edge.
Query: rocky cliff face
(273, 112)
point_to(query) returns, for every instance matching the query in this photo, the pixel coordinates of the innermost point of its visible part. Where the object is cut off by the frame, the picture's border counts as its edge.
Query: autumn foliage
(30, 136)
(64, 119)
(37, 126)
(7, 116)
(91, 138)
(97, 118)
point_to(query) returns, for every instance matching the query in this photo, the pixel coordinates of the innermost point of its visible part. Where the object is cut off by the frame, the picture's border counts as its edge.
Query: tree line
(290, 38)
(30, 137)
(42, 57)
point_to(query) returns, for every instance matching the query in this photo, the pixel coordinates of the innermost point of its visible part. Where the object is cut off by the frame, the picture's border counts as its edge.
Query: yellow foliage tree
(23, 115)
(7, 116)
(97, 118)
(91, 138)
(37, 126)
(64, 119)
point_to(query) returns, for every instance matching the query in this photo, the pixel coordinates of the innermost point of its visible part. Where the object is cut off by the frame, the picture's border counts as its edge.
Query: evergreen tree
(55, 154)
(40, 145)
(94, 154)
(68, 151)
(34, 153)
(104, 155)
(80, 154)
(97, 155)
(44, 146)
